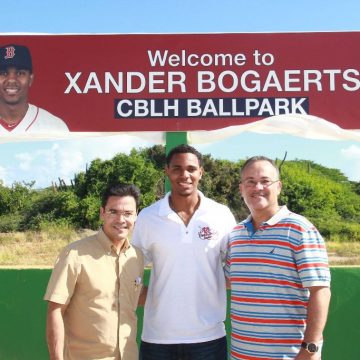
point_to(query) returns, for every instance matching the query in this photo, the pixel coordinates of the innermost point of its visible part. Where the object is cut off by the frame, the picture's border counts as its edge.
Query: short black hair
(120, 189)
(259, 158)
(183, 149)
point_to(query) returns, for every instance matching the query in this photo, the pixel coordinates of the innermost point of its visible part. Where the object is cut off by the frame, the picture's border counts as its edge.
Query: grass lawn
(41, 248)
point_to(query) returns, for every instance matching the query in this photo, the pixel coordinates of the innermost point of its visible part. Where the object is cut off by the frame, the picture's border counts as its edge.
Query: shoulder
(151, 209)
(79, 246)
(298, 222)
(215, 206)
(240, 226)
(49, 122)
(136, 253)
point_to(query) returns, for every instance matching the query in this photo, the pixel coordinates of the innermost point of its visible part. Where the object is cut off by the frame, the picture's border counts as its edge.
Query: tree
(221, 183)
(323, 195)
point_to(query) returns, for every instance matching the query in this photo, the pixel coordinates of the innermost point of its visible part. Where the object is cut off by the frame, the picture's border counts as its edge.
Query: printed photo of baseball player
(17, 116)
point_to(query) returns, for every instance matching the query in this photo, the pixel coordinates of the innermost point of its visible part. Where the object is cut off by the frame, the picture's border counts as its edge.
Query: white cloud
(25, 160)
(352, 152)
(49, 161)
(351, 156)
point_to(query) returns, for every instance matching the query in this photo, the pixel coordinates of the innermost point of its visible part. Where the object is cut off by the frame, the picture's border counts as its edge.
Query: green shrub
(337, 230)
(11, 222)
(59, 229)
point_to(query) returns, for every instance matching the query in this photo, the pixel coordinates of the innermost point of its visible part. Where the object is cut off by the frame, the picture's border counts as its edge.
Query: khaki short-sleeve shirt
(101, 289)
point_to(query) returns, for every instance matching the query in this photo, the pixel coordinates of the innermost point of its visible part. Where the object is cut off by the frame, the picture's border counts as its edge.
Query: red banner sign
(183, 82)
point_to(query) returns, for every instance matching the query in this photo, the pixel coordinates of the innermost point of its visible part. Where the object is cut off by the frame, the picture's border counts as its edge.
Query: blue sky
(46, 161)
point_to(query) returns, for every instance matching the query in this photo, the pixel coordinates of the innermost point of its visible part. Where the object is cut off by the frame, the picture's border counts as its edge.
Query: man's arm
(228, 283)
(143, 295)
(55, 331)
(317, 312)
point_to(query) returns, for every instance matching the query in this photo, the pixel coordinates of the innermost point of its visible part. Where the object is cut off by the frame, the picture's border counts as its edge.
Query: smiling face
(14, 85)
(118, 215)
(260, 187)
(184, 173)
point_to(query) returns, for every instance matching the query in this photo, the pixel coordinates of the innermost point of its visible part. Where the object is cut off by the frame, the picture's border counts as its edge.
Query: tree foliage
(324, 195)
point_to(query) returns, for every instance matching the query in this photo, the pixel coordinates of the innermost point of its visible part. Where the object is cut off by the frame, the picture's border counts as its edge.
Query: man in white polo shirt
(184, 236)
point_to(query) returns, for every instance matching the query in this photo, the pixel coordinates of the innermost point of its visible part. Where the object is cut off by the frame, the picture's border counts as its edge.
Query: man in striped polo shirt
(278, 269)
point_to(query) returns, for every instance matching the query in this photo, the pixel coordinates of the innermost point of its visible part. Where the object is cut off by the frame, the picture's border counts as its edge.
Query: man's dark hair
(258, 158)
(183, 149)
(118, 189)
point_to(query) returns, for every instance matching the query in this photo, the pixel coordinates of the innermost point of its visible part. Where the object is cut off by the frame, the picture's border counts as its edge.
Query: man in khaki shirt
(94, 288)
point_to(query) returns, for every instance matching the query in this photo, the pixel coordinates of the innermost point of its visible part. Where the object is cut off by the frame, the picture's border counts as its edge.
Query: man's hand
(305, 355)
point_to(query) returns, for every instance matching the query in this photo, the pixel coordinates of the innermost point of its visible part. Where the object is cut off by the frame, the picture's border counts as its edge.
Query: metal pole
(173, 139)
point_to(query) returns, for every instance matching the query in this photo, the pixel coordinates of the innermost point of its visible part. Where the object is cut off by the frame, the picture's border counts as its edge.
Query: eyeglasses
(117, 213)
(265, 183)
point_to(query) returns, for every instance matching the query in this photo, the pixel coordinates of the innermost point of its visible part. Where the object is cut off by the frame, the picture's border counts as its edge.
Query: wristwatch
(310, 347)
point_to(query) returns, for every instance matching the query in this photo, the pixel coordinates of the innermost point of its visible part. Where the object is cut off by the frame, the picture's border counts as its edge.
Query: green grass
(343, 253)
(36, 248)
(40, 248)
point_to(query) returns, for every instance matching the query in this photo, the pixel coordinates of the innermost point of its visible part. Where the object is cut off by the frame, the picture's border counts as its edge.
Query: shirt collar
(281, 213)
(107, 244)
(166, 210)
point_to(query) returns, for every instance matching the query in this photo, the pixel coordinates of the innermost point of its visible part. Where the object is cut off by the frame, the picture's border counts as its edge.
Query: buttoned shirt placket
(117, 255)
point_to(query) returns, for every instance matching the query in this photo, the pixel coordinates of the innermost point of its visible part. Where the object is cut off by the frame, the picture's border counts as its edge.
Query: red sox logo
(206, 233)
(10, 52)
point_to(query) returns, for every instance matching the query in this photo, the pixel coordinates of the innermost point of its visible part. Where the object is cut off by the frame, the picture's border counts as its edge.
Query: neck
(12, 114)
(184, 207)
(187, 204)
(259, 217)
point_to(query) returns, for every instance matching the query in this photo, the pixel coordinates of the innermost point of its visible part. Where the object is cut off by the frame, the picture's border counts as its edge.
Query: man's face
(14, 85)
(184, 173)
(259, 187)
(118, 216)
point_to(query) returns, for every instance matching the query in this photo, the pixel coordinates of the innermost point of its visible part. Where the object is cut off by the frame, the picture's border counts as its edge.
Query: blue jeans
(209, 350)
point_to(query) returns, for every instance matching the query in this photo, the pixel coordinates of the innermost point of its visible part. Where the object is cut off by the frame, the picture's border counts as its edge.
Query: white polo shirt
(186, 301)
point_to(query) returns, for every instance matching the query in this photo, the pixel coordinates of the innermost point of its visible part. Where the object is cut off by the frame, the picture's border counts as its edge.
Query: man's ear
(31, 79)
(201, 172)
(102, 213)
(240, 188)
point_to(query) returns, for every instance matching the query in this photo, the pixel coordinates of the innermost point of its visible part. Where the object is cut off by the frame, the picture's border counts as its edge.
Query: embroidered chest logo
(205, 233)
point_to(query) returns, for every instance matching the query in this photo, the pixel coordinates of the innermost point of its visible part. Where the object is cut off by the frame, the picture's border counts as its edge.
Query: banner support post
(173, 139)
